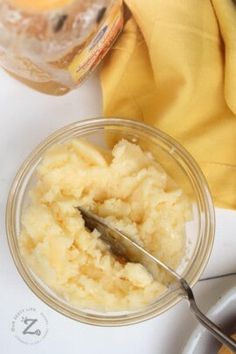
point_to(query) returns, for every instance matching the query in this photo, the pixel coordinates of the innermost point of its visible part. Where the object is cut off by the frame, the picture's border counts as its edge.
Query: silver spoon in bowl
(124, 247)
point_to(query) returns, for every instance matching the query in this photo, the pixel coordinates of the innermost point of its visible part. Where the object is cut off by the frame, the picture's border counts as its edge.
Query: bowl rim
(88, 125)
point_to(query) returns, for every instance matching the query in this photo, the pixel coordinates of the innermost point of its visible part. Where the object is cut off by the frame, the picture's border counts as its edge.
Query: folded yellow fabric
(174, 67)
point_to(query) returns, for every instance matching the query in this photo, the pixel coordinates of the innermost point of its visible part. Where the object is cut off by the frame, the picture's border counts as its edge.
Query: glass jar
(180, 166)
(52, 45)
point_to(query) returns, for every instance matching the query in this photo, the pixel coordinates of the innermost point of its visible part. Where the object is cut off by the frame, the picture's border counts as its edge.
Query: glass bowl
(175, 160)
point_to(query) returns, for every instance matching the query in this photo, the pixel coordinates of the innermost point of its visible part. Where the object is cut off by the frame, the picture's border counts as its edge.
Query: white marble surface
(26, 117)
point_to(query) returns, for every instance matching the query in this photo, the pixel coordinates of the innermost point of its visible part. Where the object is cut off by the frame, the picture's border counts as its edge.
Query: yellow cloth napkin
(174, 67)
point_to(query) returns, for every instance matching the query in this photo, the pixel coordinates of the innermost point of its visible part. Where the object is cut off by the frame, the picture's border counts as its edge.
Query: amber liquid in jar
(52, 45)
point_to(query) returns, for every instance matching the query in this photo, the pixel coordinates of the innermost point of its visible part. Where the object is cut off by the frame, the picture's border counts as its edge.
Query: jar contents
(132, 192)
(52, 45)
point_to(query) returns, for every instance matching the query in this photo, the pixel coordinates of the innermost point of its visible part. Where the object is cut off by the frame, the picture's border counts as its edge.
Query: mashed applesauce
(129, 190)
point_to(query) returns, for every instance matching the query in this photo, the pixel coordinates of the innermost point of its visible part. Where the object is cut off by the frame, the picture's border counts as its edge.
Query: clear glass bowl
(177, 162)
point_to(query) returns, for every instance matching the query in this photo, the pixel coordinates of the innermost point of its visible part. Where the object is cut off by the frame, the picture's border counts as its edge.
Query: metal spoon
(123, 246)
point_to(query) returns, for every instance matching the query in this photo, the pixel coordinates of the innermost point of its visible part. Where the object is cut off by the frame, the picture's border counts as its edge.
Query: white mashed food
(130, 191)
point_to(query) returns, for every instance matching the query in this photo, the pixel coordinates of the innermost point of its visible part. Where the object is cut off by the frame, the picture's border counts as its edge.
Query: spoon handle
(205, 321)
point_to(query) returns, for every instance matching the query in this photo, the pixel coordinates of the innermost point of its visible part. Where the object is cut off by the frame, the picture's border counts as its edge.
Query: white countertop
(27, 117)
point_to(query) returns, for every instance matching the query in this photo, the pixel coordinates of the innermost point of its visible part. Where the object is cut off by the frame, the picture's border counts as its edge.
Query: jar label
(84, 62)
